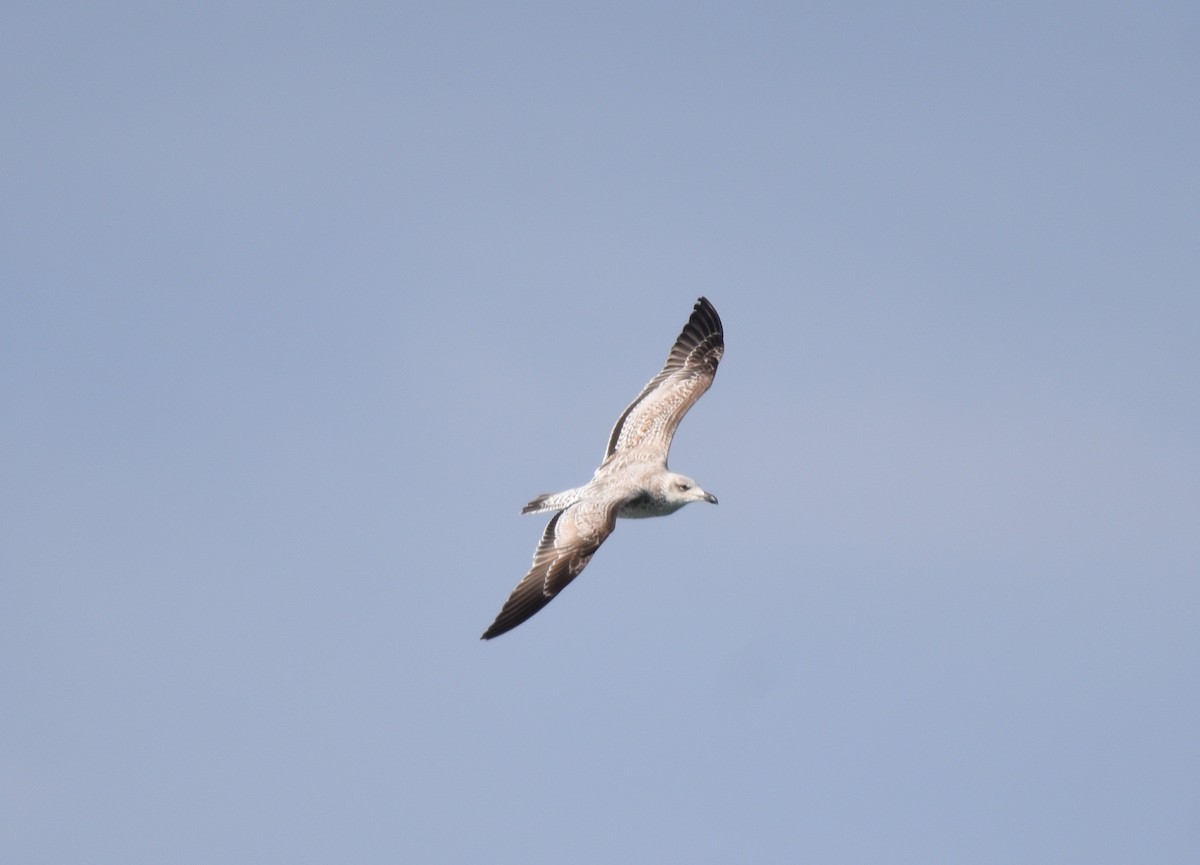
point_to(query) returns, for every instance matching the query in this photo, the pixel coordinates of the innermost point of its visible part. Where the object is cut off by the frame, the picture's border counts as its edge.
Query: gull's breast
(646, 505)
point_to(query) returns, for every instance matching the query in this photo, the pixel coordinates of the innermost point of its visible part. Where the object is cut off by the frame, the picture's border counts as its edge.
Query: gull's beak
(710, 498)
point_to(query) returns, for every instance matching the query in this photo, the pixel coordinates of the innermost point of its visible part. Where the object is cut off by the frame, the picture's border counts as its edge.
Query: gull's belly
(646, 505)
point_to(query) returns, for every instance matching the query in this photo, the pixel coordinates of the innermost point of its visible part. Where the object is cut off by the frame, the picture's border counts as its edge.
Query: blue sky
(301, 302)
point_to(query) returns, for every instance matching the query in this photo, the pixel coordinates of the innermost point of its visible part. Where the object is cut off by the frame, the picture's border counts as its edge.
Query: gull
(633, 480)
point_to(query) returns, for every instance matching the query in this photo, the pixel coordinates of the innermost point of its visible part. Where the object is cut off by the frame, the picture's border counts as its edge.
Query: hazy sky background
(300, 302)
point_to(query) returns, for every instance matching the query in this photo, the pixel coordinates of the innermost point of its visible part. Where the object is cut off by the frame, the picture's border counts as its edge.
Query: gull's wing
(570, 540)
(651, 419)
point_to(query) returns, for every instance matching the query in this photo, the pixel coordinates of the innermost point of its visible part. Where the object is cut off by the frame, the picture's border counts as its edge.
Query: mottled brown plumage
(633, 481)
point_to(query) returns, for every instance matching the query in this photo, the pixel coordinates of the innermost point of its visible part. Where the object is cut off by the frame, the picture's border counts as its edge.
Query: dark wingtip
(496, 629)
(705, 304)
(704, 315)
(492, 632)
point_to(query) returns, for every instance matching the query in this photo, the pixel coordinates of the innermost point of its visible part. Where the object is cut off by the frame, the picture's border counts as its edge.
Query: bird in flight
(633, 481)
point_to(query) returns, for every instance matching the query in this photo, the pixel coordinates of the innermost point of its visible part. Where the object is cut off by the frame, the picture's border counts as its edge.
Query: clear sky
(300, 302)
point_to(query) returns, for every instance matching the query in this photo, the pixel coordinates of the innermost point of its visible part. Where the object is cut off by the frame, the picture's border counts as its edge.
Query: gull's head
(683, 490)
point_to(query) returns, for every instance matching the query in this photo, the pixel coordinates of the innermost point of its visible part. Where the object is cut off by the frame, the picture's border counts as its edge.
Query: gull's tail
(552, 502)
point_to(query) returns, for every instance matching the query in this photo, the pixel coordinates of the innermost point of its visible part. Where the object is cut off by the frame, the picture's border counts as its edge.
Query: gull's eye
(683, 486)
